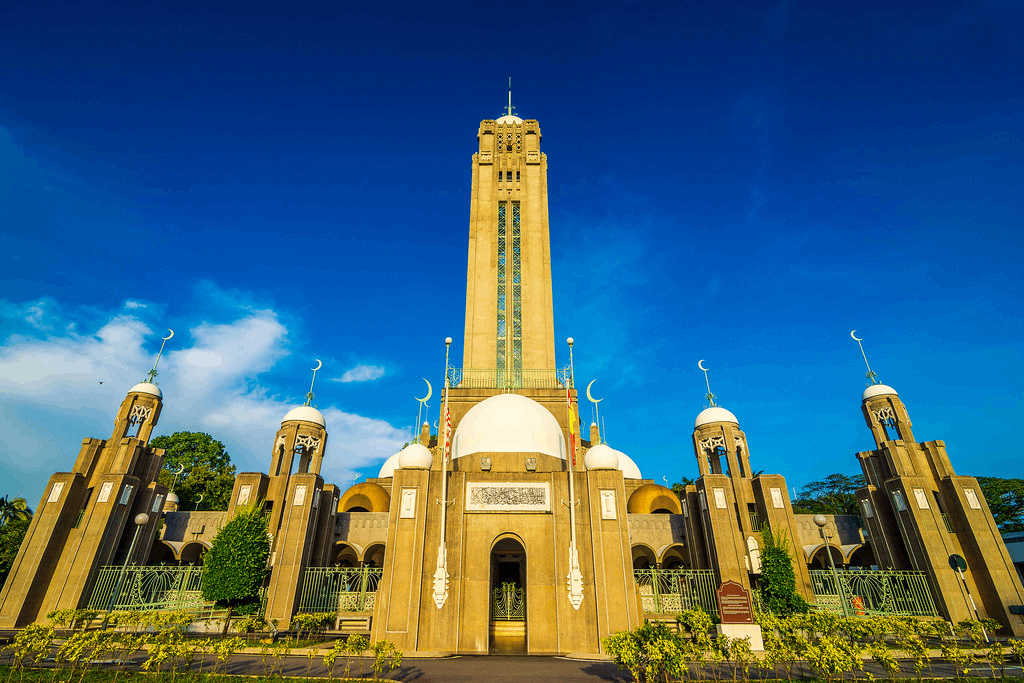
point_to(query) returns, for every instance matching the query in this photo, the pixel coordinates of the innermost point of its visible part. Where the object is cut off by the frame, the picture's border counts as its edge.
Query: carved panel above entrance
(508, 497)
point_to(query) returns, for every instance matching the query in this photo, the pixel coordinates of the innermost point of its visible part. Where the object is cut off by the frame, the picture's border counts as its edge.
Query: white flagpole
(575, 577)
(441, 572)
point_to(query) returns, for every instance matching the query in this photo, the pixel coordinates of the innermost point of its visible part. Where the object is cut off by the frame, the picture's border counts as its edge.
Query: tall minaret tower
(509, 318)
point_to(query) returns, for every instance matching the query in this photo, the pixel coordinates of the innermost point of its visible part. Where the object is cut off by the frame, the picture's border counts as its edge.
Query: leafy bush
(236, 563)
(308, 623)
(777, 585)
(385, 656)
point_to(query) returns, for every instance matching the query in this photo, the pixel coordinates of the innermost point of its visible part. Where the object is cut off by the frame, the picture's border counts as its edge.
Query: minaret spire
(872, 377)
(709, 396)
(310, 396)
(151, 375)
(509, 110)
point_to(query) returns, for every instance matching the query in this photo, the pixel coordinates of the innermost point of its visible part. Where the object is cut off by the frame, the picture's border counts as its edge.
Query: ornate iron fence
(513, 378)
(149, 588)
(508, 603)
(670, 591)
(873, 592)
(339, 589)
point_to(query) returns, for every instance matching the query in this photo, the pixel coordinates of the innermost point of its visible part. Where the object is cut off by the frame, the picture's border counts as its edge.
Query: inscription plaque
(734, 604)
(507, 497)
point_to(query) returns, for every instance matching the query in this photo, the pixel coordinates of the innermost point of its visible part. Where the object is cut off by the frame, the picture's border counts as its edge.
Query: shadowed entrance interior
(508, 597)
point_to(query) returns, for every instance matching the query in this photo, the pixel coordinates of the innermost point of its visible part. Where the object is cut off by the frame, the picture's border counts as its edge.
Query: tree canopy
(1005, 498)
(208, 476)
(14, 509)
(835, 495)
(778, 580)
(236, 564)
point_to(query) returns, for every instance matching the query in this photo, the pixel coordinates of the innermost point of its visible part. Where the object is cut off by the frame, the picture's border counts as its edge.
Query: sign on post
(734, 604)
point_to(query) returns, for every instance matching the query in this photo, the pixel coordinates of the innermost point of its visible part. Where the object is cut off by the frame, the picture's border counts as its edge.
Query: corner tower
(509, 316)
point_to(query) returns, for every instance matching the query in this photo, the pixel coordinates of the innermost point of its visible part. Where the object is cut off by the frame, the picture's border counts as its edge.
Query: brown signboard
(734, 604)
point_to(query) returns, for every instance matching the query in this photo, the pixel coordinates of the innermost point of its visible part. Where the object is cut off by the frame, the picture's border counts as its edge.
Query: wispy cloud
(56, 389)
(362, 373)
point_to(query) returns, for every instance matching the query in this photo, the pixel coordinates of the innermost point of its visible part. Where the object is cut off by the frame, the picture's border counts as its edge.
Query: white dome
(506, 119)
(172, 498)
(601, 457)
(389, 466)
(877, 390)
(151, 389)
(508, 423)
(305, 414)
(415, 456)
(628, 467)
(714, 414)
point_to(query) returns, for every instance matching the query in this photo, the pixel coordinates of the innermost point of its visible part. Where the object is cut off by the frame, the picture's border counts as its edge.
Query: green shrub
(385, 656)
(236, 564)
(777, 586)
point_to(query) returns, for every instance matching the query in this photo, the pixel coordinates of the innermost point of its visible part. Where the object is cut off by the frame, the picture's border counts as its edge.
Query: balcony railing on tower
(509, 379)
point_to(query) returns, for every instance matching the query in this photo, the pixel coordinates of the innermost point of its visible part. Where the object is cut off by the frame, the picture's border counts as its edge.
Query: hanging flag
(447, 434)
(572, 425)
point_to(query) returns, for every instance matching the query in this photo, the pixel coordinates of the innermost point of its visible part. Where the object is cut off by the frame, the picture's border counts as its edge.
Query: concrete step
(508, 629)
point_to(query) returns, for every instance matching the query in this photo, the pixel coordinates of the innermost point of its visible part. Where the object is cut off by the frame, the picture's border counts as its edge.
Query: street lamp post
(141, 520)
(821, 522)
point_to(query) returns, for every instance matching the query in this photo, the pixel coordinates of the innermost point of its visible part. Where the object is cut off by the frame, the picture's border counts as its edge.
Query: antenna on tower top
(872, 377)
(151, 375)
(310, 396)
(510, 110)
(709, 396)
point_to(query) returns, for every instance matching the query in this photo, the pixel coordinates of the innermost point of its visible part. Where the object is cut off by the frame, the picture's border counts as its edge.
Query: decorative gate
(339, 589)
(873, 592)
(670, 591)
(149, 588)
(508, 603)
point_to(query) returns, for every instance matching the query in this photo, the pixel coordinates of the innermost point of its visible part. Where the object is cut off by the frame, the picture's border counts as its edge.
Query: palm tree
(13, 508)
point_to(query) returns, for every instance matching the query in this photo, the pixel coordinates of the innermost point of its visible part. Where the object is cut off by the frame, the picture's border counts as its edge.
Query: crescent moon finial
(319, 364)
(310, 396)
(430, 392)
(151, 375)
(181, 470)
(170, 335)
(590, 396)
(855, 337)
(872, 377)
(710, 397)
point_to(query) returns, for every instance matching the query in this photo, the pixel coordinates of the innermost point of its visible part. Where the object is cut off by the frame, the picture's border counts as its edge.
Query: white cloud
(362, 373)
(55, 391)
(133, 304)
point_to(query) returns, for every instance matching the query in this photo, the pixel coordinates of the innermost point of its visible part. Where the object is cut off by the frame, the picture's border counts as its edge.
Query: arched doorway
(508, 597)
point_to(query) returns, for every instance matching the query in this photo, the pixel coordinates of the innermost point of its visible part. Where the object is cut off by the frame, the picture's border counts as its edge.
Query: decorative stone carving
(507, 497)
(709, 444)
(884, 415)
(139, 414)
(309, 443)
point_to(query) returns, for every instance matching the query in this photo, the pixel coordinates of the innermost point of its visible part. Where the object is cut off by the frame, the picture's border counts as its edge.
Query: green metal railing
(873, 592)
(670, 591)
(508, 603)
(475, 378)
(339, 589)
(945, 520)
(149, 588)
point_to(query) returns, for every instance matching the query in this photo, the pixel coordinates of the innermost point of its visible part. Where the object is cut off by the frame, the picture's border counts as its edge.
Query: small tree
(236, 564)
(778, 580)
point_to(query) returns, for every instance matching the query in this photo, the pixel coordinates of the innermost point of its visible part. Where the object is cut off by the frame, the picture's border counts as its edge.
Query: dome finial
(423, 404)
(151, 375)
(872, 377)
(310, 395)
(510, 108)
(709, 396)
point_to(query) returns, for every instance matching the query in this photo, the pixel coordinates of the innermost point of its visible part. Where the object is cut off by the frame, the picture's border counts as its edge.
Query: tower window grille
(517, 298)
(501, 332)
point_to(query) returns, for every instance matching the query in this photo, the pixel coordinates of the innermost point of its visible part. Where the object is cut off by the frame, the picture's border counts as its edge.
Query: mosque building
(514, 530)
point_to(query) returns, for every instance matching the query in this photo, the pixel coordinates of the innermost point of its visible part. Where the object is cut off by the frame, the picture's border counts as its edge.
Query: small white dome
(506, 119)
(628, 467)
(508, 423)
(172, 498)
(714, 414)
(415, 456)
(389, 466)
(601, 457)
(147, 388)
(877, 390)
(305, 414)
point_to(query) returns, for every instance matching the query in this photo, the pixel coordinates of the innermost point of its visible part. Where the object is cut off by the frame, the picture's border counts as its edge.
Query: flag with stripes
(447, 434)
(572, 425)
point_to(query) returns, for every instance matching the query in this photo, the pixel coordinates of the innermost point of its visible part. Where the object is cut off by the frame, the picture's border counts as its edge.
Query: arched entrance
(508, 597)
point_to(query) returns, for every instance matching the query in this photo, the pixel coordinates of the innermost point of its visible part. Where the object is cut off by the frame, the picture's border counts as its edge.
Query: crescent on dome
(319, 364)
(700, 364)
(430, 392)
(855, 337)
(590, 396)
(168, 336)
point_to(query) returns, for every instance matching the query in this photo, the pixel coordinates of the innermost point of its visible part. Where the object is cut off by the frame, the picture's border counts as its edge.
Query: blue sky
(739, 182)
